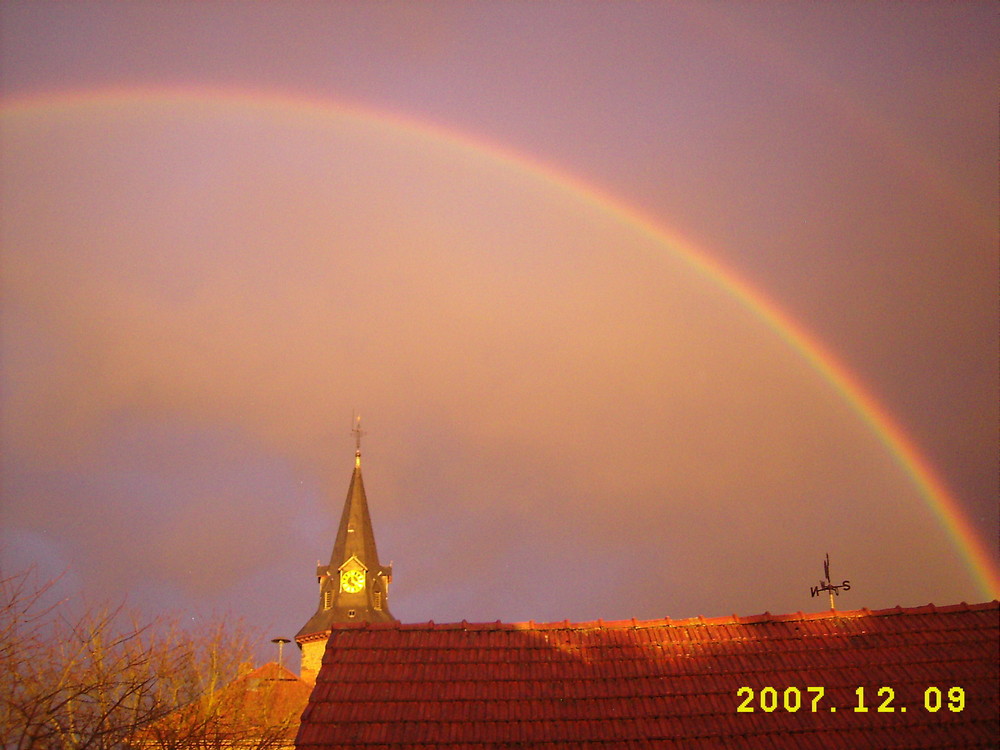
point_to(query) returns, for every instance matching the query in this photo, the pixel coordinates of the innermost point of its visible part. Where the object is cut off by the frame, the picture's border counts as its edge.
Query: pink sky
(565, 421)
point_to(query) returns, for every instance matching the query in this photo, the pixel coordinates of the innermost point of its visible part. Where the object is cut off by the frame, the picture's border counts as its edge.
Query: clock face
(352, 581)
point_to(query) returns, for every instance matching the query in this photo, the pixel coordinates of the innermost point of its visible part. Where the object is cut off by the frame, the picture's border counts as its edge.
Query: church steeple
(354, 587)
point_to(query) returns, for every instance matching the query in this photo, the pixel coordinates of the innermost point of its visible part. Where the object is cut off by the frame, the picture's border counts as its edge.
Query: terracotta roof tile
(662, 683)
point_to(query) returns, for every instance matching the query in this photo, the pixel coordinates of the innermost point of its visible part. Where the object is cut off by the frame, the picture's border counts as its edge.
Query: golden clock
(352, 581)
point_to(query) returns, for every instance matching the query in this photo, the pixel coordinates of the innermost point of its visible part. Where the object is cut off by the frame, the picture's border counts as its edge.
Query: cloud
(564, 417)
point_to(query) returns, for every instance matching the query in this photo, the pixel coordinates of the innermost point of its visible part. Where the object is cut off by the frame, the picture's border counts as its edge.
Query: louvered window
(327, 599)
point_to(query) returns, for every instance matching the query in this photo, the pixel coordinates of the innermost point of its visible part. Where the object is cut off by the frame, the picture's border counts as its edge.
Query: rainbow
(943, 505)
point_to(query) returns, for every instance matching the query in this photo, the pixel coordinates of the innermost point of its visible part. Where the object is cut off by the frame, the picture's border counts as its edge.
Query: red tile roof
(665, 684)
(273, 693)
(259, 709)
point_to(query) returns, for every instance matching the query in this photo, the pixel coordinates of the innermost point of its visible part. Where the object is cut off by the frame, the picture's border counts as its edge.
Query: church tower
(354, 587)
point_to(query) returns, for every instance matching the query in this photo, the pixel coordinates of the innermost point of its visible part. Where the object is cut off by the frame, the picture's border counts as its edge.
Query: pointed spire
(354, 586)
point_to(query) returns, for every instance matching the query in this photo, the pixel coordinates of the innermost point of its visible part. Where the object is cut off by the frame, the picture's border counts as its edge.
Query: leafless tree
(105, 681)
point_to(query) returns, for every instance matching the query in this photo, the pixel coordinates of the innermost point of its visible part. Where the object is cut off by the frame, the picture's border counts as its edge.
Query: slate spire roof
(355, 536)
(665, 684)
(365, 597)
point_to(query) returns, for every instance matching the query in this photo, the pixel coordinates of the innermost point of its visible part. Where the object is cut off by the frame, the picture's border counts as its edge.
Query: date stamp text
(881, 700)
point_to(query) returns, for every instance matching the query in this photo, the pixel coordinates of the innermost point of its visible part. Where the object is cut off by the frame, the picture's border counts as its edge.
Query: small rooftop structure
(259, 709)
(924, 677)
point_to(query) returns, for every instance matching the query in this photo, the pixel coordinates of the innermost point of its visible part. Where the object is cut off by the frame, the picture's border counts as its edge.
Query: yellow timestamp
(792, 699)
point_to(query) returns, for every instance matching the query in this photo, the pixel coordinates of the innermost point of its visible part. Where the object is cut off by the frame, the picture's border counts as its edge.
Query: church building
(354, 586)
(919, 677)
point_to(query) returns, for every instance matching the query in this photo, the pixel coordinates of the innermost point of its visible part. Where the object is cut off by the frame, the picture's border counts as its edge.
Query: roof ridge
(698, 620)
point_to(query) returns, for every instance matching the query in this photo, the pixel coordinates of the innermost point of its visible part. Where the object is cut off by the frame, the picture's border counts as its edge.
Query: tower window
(327, 599)
(378, 600)
(351, 613)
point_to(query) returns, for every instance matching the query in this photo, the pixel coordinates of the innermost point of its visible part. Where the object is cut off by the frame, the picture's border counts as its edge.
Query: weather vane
(358, 434)
(826, 585)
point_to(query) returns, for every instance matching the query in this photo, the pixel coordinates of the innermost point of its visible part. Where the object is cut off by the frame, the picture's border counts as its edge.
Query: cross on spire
(358, 434)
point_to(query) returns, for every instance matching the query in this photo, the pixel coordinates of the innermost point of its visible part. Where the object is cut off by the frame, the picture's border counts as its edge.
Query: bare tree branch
(107, 681)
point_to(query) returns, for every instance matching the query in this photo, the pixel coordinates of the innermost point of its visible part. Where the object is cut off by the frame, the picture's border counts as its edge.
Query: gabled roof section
(353, 563)
(665, 684)
(259, 709)
(273, 690)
